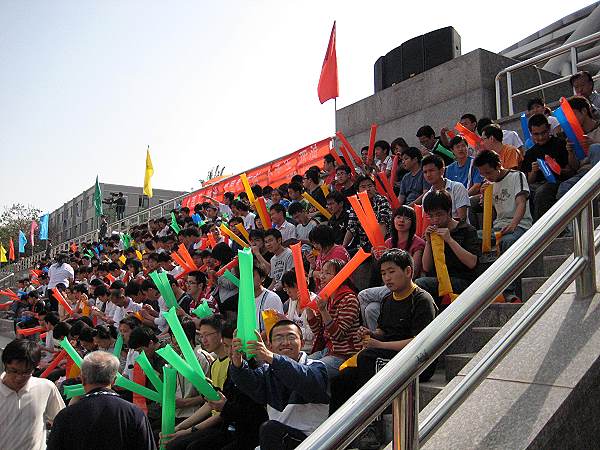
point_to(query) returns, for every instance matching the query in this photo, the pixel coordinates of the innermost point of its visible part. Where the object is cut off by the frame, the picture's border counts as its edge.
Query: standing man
(120, 208)
(27, 402)
(101, 419)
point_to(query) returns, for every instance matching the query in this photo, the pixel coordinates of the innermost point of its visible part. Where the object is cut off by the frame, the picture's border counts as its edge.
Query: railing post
(405, 417)
(573, 60)
(509, 93)
(583, 235)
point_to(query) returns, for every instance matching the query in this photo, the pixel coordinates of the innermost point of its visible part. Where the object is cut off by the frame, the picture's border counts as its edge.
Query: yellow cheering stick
(247, 188)
(240, 227)
(317, 205)
(232, 235)
(486, 241)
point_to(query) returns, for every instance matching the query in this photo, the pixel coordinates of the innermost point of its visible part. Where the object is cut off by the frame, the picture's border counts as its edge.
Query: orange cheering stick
(343, 274)
(65, 304)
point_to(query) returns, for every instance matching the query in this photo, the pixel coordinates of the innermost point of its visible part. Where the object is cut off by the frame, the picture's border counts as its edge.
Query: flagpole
(335, 115)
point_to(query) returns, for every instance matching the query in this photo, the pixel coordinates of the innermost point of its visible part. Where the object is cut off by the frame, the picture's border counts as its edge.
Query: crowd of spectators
(301, 372)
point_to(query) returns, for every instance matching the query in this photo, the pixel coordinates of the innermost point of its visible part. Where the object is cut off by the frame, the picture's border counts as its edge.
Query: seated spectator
(226, 291)
(591, 127)
(412, 186)
(282, 259)
(405, 312)
(543, 193)
(329, 169)
(311, 183)
(583, 85)
(510, 198)
(339, 207)
(293, 387)
(216, 338)
(462, 170)
(285, 228)
(242, 210)
(462, 247)
(433, 145)
(433, 172)
(304, 224)
(510, 156)
(343, 181)
(335, 324)
(264, 298)
(277, 197)
(383, 160)
(404, 237)
(295, 191)
(296, 313)
(537, 106)
(509, 137)
(323, 241)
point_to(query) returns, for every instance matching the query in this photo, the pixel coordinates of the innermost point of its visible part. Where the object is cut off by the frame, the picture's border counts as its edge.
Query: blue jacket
(295, 392)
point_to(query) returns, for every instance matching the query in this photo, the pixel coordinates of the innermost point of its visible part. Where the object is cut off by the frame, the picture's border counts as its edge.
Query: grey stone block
(530, 285)
(455, 363)
(552, 263)
(431, 388)
(496, 315)
(472, 340)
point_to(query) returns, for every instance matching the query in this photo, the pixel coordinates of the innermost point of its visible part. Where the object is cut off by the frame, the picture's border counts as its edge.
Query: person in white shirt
(264, 298)
(282, 260)
(60, 272)
(287, 229)
(240, 209)
(123, 305)
(537, 106)
(28, 403)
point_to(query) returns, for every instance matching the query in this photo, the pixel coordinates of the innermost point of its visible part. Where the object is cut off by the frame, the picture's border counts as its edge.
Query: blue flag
(44, 227)
(22, 242)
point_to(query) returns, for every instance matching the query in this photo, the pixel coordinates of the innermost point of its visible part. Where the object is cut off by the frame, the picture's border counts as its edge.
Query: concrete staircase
(460, 353)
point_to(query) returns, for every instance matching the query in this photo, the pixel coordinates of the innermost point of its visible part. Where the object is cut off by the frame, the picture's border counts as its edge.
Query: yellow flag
(2, 254)
(148, 175)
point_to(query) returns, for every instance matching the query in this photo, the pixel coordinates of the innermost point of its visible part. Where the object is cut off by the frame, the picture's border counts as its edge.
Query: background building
(77, 216)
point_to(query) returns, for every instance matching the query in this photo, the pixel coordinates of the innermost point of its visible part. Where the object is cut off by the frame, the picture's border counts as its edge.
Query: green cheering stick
(168, 402)
(118, 345)
(151, 374)
(231, 277)
(162, 284)
(202, 310)
(246, 320)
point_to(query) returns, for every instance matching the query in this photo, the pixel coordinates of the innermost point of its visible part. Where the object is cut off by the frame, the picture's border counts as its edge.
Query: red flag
(11, 251)
(328, 82)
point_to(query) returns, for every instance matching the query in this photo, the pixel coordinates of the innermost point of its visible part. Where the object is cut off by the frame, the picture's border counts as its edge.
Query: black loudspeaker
(413, 61)
(440, 46)
(416, 56)
(393, 66)
(379, 71)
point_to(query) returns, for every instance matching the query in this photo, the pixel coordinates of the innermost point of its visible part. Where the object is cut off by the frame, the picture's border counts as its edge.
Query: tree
(18, 217)
(213, 173)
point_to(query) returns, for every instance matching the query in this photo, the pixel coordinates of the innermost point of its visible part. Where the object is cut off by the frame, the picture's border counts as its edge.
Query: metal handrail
(7, 277)
(118, 225)
(566, 48)
(403, 370)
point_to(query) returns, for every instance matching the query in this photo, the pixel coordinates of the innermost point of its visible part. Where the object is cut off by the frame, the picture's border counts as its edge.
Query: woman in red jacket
(336, 322)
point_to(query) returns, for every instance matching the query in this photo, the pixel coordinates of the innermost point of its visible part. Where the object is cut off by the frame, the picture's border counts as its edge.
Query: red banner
(274, 173)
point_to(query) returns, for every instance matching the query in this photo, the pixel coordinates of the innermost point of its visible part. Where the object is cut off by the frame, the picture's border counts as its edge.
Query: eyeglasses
(204, 336)
(23, 373)
(288, 338)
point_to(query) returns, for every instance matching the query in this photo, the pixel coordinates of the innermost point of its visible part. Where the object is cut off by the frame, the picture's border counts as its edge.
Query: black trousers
(277, 436)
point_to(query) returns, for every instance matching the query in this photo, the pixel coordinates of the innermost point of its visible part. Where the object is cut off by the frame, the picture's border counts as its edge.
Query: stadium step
(429, 389)
(530, 285)
(455, 363)
(552, 263)
(472, 340)
(496, 315)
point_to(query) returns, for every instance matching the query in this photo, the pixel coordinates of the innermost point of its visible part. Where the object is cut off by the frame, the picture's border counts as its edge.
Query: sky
(86, 86)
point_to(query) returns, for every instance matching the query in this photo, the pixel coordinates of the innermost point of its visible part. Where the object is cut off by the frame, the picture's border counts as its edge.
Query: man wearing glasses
(28, 403)
(293, 387)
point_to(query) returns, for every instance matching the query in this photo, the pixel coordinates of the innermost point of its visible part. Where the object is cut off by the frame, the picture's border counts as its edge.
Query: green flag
(98, 199)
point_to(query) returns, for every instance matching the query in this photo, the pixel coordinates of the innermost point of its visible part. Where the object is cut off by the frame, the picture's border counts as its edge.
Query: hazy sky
(85, 86)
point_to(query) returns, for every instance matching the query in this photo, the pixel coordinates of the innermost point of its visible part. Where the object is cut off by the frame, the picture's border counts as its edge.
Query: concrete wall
(438, 98)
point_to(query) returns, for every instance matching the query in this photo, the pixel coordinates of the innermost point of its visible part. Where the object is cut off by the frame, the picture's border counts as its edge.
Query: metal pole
(584, 247)
(509, 92)
(405, 414)
(573, 60)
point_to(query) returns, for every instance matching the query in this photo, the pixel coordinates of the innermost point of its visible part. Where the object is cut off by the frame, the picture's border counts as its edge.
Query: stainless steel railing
(4, 281)
(119, 225)
(398, 380)
(570, 48)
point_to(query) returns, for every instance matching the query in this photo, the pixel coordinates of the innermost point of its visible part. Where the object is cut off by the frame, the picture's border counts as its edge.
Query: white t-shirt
(302, 232)
(120, 311)
(266, 300)
(280, 264)
(287, 230)
(24, 413)
(249, 221)
(511, 137)
(60, 274)
(129, 363)
(504, 194)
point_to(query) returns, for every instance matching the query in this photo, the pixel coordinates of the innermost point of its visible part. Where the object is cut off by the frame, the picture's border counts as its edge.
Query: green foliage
(18, 217)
